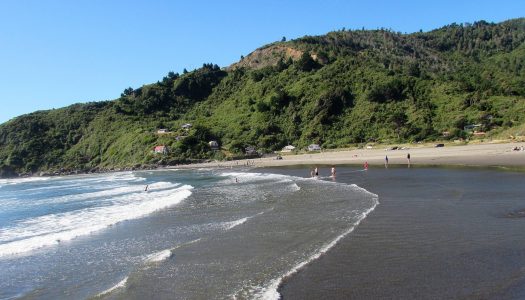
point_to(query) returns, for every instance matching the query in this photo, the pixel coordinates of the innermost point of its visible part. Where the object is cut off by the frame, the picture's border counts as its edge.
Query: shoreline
(432, 224)
(477, 155)
(469, 155)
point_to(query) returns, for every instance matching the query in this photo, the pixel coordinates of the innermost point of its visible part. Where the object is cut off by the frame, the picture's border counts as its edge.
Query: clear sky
(54, 53)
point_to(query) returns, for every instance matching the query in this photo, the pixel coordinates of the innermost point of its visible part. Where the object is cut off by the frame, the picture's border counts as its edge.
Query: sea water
(207, 234)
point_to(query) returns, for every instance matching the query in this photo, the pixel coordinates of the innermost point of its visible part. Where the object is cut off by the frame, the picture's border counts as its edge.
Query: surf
(53, 229)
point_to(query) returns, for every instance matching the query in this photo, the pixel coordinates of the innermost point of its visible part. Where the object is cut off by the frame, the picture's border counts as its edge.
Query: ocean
(192, 234)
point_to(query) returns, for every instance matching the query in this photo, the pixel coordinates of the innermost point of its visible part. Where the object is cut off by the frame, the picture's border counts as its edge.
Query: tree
(127, 92)
(306, 62)
(283, 39)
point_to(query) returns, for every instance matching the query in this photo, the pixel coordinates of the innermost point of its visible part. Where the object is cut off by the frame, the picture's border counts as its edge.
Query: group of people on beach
(386, 161)
(314, 173)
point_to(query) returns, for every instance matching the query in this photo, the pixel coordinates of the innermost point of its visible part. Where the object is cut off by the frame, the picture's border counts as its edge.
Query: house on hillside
(314, 147)
(186, 126)
(472, 127)
(161, 149)
(162, 131)
(250, 151)
(214, 145)
(288, 148)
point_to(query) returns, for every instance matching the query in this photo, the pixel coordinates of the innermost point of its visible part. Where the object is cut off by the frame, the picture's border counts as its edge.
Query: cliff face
(339, 89)
(267, 56)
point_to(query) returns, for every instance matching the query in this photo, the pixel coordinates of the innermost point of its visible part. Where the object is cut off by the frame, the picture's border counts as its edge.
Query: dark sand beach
(438, 233)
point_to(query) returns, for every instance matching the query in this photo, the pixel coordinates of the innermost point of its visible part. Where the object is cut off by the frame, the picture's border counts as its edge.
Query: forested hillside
(340, 89)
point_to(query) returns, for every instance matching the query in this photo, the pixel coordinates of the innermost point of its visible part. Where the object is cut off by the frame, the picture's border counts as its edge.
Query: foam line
(270, 292)
(119, 285)
(233, 224)
(159, 256)
(165, 254)
(53, 229)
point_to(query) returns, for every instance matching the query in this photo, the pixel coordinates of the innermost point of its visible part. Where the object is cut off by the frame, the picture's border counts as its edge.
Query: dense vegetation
(339, 89)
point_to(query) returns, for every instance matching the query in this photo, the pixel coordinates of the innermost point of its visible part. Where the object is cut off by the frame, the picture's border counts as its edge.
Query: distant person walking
(386, 161)
(408, 159)
(366, 165)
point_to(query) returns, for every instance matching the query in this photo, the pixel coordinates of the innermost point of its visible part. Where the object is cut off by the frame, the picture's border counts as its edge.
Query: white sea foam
(269, 292)
(253, 175)
(52, 229)
(23, 180)
(159, 256)
(119, 285)
(165, 254)
(107, 194)
(233, 224)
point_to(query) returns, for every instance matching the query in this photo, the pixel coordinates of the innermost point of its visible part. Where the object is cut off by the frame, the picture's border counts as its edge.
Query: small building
(162, 131)
(161, 149)
(186, 126)
(288, 148)
(472, 127)
(250, 151)
(314, 147)
(478, 133)
(214, 145)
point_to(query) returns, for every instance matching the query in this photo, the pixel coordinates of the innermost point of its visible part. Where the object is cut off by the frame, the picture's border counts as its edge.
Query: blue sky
(55, 53)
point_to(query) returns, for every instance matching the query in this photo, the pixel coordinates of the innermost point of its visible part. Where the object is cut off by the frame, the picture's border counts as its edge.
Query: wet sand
(438, 233)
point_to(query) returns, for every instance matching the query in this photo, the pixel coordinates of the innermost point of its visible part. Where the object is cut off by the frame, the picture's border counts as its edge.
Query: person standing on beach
(408, 159)
(386, 161)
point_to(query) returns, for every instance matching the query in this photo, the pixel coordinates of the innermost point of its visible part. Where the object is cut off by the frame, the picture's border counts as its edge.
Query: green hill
(339, 89)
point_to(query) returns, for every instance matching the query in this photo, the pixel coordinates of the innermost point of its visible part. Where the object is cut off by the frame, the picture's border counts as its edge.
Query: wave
(52, 229)
(250, 177)
(159, 256)
(233, 224)
(24, 180)
(167, 253)
(270, 291)
(119, 285)
(112, 192)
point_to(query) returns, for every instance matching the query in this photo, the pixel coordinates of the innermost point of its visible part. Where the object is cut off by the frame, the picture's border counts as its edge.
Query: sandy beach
(487, 154)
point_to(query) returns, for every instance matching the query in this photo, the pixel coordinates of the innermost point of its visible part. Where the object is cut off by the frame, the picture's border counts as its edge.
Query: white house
(186, 126)
(162, 131)
(214, 145)
(288, 148)
(314, 147)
